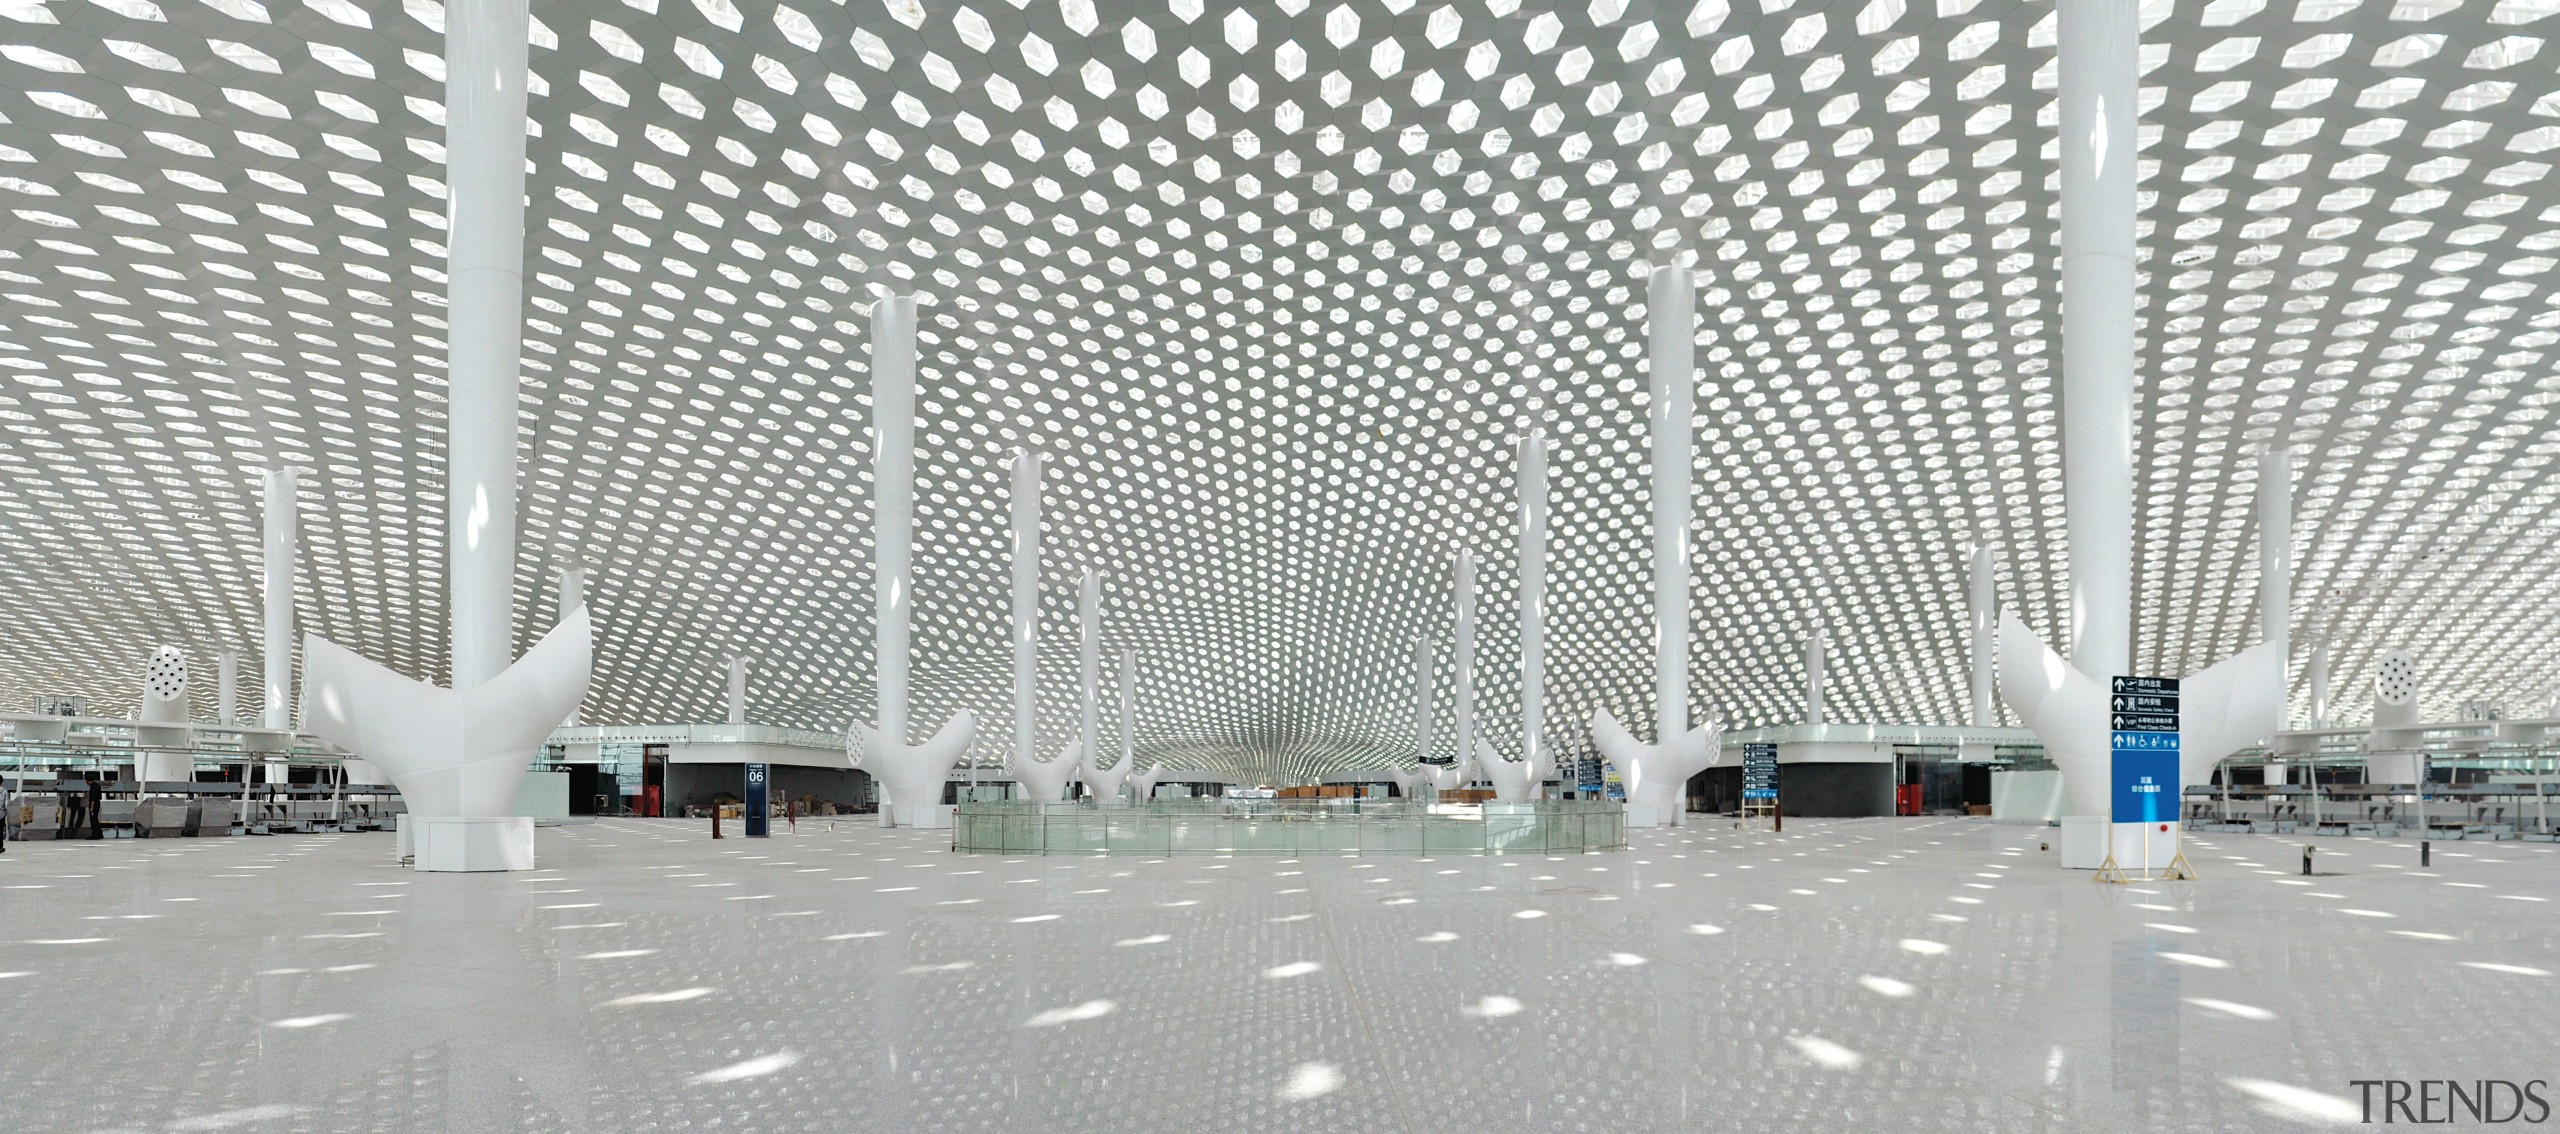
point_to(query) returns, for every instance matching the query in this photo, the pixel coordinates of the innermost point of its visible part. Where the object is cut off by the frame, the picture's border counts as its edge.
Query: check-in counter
(2490, 811)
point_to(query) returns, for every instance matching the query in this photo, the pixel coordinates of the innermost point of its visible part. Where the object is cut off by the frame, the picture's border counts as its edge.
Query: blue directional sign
(759, 806)
(2143, 729)
(1759, 771)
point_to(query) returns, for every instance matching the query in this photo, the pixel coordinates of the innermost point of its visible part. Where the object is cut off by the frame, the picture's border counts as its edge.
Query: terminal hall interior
(1278, 565)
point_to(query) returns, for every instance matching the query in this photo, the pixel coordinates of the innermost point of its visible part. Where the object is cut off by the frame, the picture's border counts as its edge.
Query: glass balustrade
(1289, 828)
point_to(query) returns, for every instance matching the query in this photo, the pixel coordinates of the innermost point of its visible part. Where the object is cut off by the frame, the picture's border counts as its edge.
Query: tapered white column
(276, 650)
(1089, 659)
(893, 470)
(2098, 66)
(1421, 699)
(1464, 664)
(1813, 677)
(1656, 774)
(459, 754)
(1104, 783)
(1982, 606)
(484, 57)
(573, 594)
(2233, 702)
(1128, 709)
(910, 776)
(2318, 676)
(226, 687)
(2275, 550)
(1671, 302)
(1026, 599)
(737, 690)
(1533, 606)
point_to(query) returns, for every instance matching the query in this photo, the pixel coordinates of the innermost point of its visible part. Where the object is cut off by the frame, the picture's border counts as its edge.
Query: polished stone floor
(1871, 975)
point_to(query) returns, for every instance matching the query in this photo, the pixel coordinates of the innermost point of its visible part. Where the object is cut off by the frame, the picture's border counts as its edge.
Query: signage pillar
(2143, 724)
(1760, 781)
(759, 806)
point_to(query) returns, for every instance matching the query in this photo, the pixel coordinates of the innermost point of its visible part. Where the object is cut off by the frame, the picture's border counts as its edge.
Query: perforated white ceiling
(1277, 284)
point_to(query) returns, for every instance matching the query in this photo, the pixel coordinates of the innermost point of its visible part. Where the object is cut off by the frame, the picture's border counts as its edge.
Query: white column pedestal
(1648, 815)
(466, 844)
(925, 816)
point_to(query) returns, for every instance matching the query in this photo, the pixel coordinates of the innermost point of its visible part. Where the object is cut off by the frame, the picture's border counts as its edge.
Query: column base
(469, 844)
(922, 816)
(1648, 815)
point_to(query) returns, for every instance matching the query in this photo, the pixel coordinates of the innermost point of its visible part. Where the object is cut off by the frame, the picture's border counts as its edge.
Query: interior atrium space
(1299, 565)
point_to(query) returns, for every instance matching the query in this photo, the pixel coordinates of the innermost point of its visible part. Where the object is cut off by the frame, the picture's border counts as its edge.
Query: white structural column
(1421, 701)
(2065, 703)
(893, 474)
(1128, 708)
(226, 687)
(484, 57)
(2236, 700)
(1671, 302)
(1103, 782)
(2100, 47)
(2317, 675)
(1089, 663)
(1043, 780)
(1026, 599)
(1515, 781)
(276, 656)
(2275, 580)
(1656, 774)
(1983, 608)
(2275, 577)
(459, 754)
(1814, 663)
(1533, 604)
(573, 594)
(1471, 748)
(738, 690)
(910, 776)
(2275, 550)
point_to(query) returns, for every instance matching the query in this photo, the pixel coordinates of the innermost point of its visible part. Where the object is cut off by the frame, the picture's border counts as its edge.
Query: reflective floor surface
(1871, 975)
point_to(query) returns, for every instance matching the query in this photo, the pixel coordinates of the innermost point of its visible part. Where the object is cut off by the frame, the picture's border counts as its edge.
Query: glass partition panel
(1454, 829)
(1130, 830)
(1512, 828)
(1288, 828)
(1196, 832)
(1391, 832)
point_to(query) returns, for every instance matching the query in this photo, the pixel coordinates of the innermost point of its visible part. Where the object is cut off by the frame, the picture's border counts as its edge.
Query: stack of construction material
(36, 818)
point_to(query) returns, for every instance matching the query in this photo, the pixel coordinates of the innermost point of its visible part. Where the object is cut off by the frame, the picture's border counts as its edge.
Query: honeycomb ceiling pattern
(1278, 286)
